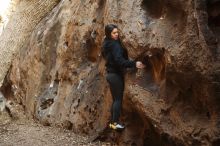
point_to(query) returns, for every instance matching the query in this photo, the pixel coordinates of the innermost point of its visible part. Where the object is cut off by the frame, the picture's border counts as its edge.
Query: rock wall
(17, 32)
(58, 74)
(7, 9)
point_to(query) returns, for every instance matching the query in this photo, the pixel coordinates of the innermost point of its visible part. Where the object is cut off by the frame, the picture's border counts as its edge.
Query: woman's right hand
(140, 65)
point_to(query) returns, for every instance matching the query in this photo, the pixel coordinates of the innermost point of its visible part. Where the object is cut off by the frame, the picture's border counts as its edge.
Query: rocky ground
(25, 132)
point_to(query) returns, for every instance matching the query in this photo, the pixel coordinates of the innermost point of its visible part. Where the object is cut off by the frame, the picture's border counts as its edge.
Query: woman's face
(114, 34)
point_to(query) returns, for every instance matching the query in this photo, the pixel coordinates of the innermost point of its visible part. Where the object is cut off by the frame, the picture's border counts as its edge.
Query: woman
(117, 61)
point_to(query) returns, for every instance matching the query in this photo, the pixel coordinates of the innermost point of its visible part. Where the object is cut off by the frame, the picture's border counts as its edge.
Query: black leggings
(116, 82)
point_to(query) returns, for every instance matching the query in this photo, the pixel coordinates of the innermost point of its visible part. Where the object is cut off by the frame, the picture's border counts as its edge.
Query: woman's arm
(118, 57)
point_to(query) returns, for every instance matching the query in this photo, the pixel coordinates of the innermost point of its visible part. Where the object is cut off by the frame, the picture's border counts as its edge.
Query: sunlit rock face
(57, 74)
(6, 8)
(17, 31)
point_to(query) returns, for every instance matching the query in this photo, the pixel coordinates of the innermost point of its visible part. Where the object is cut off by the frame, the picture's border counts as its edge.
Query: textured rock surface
(174, 101)
(17, 32)
(7, 9)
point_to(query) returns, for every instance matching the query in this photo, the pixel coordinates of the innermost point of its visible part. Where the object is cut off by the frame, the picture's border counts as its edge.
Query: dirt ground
(25, 132)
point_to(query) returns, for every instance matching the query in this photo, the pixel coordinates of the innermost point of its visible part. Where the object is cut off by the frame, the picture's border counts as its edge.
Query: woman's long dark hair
(108, 29)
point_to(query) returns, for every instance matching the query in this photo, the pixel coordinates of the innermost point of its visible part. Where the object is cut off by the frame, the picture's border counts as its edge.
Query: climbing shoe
(116, 126)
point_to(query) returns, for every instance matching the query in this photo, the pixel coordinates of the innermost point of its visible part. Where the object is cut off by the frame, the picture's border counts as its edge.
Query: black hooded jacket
(116, 56)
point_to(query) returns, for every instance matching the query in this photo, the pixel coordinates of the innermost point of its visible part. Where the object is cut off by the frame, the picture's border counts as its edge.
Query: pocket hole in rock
(47, 103)
(153, 7)
(154, 73)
